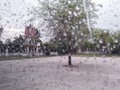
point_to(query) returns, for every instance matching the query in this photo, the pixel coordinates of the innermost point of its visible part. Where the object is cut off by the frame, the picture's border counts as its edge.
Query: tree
(1, 30)
(18, 43)
(68, 17)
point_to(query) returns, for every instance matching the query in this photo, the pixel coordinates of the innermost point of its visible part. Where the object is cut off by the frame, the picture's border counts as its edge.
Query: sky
(14, 15)
(109, 14)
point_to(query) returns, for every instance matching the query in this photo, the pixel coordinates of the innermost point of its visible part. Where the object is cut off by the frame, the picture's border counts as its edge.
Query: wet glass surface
(59, 45)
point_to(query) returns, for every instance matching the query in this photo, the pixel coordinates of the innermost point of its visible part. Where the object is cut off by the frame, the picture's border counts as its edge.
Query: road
(87, 73)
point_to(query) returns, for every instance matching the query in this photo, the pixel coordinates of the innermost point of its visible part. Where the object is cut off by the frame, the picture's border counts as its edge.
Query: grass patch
(96, 54)
(19, 57)
(4, 58)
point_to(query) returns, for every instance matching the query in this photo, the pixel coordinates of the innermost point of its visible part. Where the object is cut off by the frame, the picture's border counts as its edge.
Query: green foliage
(15, 46)
(67, 22)
(1, 30)
(66, 17)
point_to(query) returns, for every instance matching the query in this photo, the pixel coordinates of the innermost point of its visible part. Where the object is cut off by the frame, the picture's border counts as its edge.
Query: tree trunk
(69, 51)
(69, 59)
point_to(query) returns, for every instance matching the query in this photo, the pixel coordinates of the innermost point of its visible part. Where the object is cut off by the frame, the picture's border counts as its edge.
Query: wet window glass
(59, 45)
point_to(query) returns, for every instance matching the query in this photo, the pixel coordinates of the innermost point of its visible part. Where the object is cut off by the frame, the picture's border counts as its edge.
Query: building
(31, 33)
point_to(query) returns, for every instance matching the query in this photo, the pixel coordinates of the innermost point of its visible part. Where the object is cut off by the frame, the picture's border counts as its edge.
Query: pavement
(51, 73)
